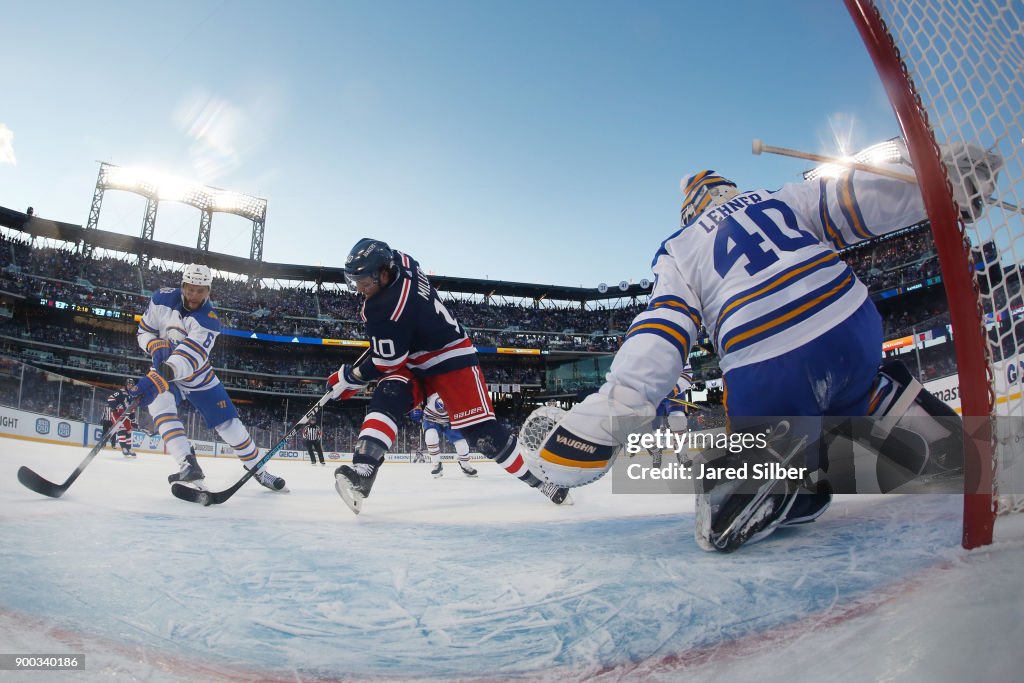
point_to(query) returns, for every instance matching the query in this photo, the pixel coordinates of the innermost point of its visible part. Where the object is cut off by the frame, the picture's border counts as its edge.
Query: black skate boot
(467, 469)
(272, 482)
(558, 495)
(353, 484)
(438, 470)
(190, 473)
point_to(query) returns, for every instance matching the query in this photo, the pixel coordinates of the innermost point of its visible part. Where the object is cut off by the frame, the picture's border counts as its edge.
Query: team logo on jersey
(440, 406)
(212, 315)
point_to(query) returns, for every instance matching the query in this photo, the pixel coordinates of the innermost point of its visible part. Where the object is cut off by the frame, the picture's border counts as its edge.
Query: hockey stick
(758, 147)
(194, 495)
(33, 481)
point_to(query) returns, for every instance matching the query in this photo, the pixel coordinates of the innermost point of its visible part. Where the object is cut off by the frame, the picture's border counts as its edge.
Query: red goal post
(952, 73)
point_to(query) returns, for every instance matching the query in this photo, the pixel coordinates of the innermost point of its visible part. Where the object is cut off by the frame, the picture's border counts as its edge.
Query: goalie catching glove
(345, 382)
(577, 447)
(973, 171)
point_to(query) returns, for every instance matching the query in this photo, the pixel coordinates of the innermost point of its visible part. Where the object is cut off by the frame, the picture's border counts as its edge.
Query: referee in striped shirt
(313, 434)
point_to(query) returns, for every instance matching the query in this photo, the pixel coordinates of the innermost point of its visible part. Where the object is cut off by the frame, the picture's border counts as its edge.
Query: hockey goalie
(795, 331)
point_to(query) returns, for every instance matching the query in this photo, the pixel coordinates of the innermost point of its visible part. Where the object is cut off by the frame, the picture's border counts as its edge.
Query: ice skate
(127, 452)
(556, 494)
(438, 470)
(190, 473)
(353, 484)
(272, 482)
(725, 519)
(467, 469)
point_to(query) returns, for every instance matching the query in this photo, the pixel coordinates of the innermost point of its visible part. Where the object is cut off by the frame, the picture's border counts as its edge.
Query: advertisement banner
(24, 424)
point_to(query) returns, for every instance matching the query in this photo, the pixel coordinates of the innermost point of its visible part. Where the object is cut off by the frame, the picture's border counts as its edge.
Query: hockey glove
(159, 350)
(147, 388)
(416, 415)
(345, 383)
(973, 172)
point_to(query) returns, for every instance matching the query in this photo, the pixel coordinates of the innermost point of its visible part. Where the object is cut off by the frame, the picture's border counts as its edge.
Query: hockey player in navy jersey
(793, 327)
(116, 403)
(433, 417)
(417, 348)
(178, 331)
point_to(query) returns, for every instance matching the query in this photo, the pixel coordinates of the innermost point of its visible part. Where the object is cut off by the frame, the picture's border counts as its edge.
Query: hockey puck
(204, 499)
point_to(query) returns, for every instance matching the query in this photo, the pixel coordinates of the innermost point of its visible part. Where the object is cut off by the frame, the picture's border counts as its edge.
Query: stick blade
(192, 494)
(34, 482)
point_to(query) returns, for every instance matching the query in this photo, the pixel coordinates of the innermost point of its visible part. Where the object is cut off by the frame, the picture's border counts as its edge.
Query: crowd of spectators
(312, 309)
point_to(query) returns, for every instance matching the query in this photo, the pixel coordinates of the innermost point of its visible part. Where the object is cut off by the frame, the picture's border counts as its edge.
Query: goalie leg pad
(913, 433)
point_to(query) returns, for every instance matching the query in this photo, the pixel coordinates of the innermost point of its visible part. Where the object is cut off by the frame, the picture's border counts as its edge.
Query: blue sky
(527, 141)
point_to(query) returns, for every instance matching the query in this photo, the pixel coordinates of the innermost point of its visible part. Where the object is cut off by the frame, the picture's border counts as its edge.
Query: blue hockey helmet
(367, 258)
(701, 190)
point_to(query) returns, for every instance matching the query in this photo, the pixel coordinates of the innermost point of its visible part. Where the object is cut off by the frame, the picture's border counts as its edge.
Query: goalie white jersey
(761, 274)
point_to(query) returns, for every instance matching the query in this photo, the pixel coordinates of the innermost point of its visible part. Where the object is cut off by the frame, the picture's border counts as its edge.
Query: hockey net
(952, 70)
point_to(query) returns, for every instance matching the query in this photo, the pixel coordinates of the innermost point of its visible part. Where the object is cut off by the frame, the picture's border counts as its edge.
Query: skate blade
(353, 499)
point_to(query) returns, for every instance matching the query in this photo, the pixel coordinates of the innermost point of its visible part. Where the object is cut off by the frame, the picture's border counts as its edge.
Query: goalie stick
(36, 483)
(194, 495)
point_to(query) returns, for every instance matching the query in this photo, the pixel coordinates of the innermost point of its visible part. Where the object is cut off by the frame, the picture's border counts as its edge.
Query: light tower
(158, 187)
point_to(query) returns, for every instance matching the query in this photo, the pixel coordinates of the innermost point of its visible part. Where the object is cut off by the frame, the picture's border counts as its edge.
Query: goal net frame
(968, 51)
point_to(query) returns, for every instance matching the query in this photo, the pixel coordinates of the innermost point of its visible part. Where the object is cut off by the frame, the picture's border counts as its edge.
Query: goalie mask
(701, 191)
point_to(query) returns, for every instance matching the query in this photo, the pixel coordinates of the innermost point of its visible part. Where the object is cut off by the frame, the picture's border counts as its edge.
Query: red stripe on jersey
(422, 357)
(402, 298)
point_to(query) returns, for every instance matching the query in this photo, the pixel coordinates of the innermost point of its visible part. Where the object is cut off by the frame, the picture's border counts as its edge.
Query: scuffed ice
(436, 579)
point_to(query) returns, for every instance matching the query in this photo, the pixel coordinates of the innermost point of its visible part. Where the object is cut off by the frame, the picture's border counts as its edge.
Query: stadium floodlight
(253, 208)
(880, 153)
(157, 187)
(168, 188)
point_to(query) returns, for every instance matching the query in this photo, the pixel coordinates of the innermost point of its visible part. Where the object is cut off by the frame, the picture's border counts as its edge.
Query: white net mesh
(967, 62)
(538, 425)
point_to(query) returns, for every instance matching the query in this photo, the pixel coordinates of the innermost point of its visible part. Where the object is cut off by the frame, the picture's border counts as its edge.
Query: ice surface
(466, 579)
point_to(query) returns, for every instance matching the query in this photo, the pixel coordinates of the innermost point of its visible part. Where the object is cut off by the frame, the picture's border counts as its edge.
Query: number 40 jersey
(761, 273)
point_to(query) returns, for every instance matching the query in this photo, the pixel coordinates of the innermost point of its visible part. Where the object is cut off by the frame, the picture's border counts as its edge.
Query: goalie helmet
(197, 274)
(367, 258)
(702, 190)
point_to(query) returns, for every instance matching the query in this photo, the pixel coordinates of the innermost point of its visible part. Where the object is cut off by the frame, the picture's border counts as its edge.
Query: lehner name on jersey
(709, 220)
